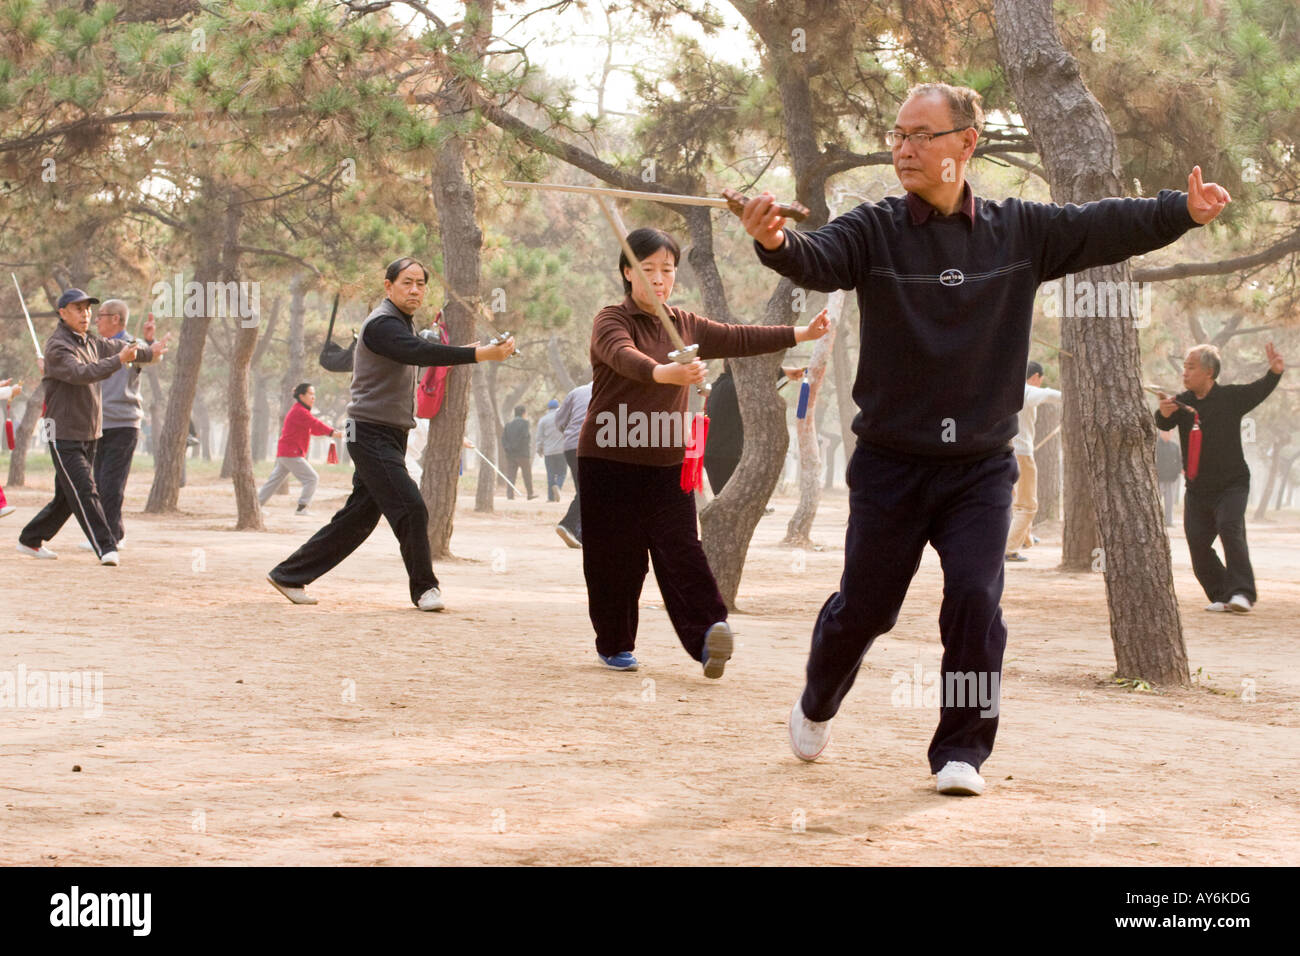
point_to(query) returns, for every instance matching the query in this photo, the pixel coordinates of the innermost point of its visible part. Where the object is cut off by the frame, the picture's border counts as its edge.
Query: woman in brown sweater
(630, 456)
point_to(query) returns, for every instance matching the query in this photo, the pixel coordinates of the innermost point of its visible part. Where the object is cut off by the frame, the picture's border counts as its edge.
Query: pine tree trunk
(462, 242)
(293, 370)
(261, 423)
(1048, 459)
(488, 428)
(799, 530)
(1274, 466)
(1079, 152)
(727, 522)
(843, 369)
(1079, 536)
(23, 432)
(170, 440)
(239, 452)
(203, 424)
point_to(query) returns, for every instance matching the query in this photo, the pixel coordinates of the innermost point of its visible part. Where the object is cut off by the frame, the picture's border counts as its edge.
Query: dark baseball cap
(75, 295)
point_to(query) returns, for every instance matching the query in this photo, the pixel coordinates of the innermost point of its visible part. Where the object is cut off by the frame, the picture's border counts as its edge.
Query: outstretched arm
(1251, 394)
(832, 257)
(1077, 237)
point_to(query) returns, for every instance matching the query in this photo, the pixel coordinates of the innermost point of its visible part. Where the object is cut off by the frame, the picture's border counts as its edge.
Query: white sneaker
(431, 600)
(1216, 606)
(960, 779)
(719, 644)
(296, 595)
(41, 552)
(7, 510)
(567, 536)
(1239, 603)
(85, 546)
(109, 559)
(808, 738)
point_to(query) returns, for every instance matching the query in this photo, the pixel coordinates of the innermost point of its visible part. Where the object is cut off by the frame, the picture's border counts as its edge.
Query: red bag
(9, 429)
(429, 394)
(1194, 448)
(332, 458)
(433, 384)
(693, 463)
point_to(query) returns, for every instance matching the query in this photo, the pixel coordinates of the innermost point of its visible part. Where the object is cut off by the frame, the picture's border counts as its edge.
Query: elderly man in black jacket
(76, 361)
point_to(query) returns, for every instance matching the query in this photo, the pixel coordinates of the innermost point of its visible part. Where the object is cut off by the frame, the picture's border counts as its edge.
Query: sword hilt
(685, 356)
(501, 337)
(791, 210)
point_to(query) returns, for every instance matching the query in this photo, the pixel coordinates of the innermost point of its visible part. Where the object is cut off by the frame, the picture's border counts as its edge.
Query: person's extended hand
(495, 353)
(1167, 405)
(815, 329)
(1275, 363)
(1204, 200)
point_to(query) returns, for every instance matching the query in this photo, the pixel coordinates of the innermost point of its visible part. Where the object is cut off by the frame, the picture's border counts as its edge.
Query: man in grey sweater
(380, 418)
(123, 413)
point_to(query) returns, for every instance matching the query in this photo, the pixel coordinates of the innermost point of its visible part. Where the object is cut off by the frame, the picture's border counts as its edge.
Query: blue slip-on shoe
(622, 661)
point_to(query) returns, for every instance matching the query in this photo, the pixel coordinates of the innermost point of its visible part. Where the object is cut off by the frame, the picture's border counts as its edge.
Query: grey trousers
(284, 467)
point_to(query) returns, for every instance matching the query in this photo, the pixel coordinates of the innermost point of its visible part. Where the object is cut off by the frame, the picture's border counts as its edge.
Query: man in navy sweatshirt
(946, 284)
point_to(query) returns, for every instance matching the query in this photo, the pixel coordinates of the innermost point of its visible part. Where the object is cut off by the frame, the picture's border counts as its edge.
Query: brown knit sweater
(634, 419)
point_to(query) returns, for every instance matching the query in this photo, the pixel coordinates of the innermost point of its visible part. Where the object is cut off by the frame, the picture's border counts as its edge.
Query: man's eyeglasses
(895, 137)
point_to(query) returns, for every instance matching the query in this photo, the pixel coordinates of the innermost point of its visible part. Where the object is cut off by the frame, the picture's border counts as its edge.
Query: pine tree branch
(1220, 267)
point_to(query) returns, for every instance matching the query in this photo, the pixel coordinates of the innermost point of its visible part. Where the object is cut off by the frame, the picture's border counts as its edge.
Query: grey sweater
(383, 371)
(120, 392)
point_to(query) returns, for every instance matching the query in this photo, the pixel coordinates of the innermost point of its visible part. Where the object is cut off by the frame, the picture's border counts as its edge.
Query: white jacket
(1034, 396)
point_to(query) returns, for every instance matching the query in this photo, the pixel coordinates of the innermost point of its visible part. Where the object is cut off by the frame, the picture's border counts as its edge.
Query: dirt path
(237, 728)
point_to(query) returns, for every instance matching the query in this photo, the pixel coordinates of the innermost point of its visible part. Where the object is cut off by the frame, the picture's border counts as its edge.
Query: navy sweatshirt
(1222, 462)
(947, 303)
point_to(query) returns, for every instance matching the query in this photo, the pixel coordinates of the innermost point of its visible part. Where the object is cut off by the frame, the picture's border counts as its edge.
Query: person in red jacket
(291, 452)
(7, 391)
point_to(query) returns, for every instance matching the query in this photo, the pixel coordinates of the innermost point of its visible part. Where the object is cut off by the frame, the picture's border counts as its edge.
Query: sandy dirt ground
(239, 729)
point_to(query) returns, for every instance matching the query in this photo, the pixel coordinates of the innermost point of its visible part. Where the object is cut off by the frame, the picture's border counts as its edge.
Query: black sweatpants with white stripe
(75, 495)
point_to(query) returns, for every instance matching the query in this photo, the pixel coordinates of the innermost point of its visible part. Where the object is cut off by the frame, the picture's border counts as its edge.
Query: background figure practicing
(75, 362)
(123, 413)
(550, 445)
(380, 418)
(569, 418)
(1025, 497)
(7, 392)
(726, 430)
(1218, 479)
(518, 452)
(1169, 468)
(291, 451)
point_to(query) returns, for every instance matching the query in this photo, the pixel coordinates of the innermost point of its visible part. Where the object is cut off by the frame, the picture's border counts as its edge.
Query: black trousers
(74, 494)
(524, 464)
(380, 485)
(629, 513)
(573, 517)
(895, 509)
(1222, 513)
(719, 471)
(112, 467)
